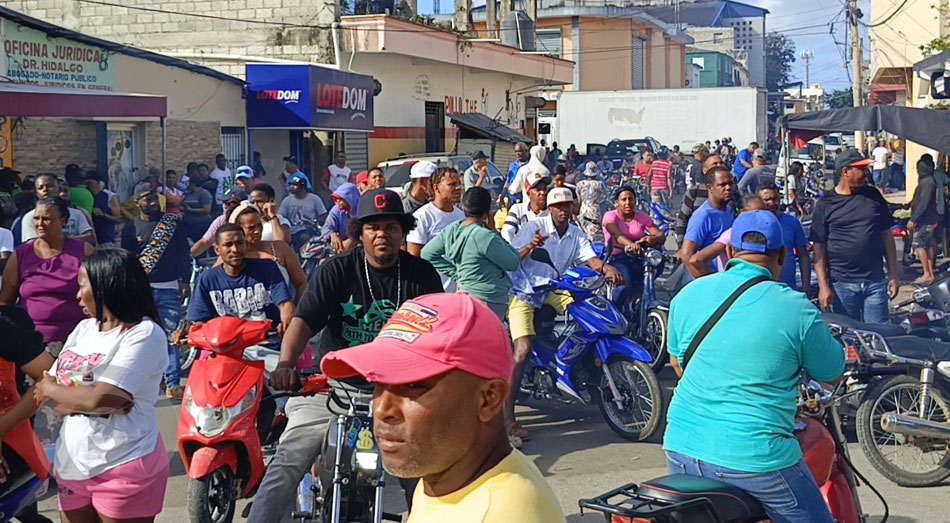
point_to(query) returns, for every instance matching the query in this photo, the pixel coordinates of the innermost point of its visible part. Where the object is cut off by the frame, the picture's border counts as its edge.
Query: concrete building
(895, 45)
(805, 100)
(205, 107)
(614, 48)
(718, 69)
(747, 22)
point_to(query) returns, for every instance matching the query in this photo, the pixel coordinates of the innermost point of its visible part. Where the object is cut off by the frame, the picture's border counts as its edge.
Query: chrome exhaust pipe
(911, 426)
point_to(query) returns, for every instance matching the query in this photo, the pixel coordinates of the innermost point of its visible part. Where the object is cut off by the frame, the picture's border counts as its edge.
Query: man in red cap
(351, 297)
(441, 366)
(851, 231)
(362, 181)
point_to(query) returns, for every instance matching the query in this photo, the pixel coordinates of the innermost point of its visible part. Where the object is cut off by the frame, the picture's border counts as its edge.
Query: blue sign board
(308, 97)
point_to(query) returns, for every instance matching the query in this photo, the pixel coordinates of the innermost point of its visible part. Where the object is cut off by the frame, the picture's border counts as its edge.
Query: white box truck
(681, 117)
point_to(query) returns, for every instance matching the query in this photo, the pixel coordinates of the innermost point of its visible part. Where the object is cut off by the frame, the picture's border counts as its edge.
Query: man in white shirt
(337, 174)
(566, 245)
(78, 226)
(438, 214)
(223, 176)
(535, 208)
(880, 154)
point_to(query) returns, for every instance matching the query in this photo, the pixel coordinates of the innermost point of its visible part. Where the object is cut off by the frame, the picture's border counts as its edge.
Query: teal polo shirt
(735, 405)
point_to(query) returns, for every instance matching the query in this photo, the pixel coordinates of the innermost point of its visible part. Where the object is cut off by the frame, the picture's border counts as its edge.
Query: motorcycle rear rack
(648, 507)
(875, 345)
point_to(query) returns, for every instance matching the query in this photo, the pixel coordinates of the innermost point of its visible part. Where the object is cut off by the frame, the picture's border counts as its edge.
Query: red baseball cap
(362, 177)
(426, 337)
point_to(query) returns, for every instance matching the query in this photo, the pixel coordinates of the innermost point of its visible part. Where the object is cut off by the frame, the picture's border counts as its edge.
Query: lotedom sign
(308, 97)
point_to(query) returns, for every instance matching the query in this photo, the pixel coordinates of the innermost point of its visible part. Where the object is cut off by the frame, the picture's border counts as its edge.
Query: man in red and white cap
(441, 366)
(566, 245)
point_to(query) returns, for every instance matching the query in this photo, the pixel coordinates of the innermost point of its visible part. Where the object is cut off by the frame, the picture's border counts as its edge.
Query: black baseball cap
(290, 159)
(851, 158)
(480, 156)
(379, 202)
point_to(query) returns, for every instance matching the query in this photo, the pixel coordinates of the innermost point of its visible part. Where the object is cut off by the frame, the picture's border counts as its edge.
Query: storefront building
(205, 108)
(426, 76)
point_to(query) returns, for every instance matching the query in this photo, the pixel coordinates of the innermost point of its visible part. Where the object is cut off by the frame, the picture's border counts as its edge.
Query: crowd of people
(102, 280)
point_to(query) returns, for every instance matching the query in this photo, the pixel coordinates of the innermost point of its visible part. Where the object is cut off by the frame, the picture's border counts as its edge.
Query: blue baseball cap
(762, 222)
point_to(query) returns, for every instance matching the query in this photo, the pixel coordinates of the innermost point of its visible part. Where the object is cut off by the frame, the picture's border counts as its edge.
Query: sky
(797, 19)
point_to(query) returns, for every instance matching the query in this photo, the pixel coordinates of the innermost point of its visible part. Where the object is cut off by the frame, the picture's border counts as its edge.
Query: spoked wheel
(188, 354)
(654, 338)
(909, 461)
(212, 499)
(635, 414)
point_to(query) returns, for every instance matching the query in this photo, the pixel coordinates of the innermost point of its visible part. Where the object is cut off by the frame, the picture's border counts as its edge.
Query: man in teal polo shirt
(732, 415)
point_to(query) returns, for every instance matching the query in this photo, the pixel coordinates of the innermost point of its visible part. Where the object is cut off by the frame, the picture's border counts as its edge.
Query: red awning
(27, 100)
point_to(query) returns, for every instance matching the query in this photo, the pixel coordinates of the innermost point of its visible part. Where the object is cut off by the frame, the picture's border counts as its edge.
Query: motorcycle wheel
(212, 499)
(641, 397)
(905, 460)
(654, 339)
(187, 354)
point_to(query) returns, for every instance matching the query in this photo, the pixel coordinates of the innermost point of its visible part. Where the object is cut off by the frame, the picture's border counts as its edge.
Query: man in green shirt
(78, 193)
(733, 414)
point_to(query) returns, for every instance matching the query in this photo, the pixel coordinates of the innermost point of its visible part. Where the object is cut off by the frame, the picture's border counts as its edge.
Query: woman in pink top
(629, 231)
(42, 274)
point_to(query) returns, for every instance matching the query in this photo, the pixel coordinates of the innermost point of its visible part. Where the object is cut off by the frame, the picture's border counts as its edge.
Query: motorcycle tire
(188, 355)
(657, 331)
(207, 502)
(869, 431)
(652, 397)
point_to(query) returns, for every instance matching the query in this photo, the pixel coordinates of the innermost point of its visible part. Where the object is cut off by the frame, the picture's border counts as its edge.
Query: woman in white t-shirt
(110, 460)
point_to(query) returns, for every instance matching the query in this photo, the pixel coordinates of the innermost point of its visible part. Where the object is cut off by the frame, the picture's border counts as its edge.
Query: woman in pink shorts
(110, 462)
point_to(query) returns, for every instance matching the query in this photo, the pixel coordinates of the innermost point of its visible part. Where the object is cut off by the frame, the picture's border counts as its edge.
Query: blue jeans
(632, 271)
(879, 177)
(897, 176)
(863, 301)
(168, 302)
(789, 495)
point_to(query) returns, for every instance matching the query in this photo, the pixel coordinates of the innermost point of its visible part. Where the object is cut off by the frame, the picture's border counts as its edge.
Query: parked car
(832, 143)
(617, 150)
(396, 170)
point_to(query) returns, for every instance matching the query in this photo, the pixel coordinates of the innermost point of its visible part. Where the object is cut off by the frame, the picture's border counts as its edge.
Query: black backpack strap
(716, 316)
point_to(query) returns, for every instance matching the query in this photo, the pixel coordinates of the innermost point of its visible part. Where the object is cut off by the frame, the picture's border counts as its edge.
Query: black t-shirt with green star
(339, 300)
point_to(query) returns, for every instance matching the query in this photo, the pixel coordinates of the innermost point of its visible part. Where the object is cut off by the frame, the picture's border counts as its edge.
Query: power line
(888, 18)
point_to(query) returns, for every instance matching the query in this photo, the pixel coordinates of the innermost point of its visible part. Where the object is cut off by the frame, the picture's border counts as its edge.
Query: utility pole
(857, 65)
(491, 19)
(807, 55)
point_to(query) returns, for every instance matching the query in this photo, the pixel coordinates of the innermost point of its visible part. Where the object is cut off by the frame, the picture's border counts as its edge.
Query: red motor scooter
(222, 426)
(681, 498)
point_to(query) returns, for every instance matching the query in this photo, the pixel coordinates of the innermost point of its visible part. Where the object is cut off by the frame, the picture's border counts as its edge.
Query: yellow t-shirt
(513, 490)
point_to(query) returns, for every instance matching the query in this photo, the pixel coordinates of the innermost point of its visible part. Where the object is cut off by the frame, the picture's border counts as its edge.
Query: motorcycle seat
(919, 348)
(884, 329)
(730, 503)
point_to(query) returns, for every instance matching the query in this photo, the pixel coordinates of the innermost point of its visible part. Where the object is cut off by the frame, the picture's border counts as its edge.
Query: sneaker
(175, 393)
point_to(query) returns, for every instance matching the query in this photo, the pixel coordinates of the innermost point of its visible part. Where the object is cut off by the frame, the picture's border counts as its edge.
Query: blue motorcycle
(584, 356)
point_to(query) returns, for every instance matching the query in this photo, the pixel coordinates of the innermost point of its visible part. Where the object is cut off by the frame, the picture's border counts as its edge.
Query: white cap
(560, 195)
(244, 171)
(422, 169)
(533, 177)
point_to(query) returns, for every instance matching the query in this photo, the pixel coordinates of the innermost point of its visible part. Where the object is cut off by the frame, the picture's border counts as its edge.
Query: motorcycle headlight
(590, 283)
(654, 257)
(212, 421)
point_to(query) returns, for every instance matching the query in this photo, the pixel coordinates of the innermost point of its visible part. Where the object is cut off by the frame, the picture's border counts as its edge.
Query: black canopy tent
(927, 127)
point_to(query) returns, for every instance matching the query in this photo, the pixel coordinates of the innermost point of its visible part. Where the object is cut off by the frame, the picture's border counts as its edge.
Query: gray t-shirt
(77, 224)
(755, 178)
(303, 212)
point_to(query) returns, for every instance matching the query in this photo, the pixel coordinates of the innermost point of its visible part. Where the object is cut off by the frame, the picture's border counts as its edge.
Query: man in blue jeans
(161, 243)
(851, 230)
(739, 388)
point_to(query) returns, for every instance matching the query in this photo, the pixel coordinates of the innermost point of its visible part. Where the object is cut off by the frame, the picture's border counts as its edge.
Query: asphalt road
(581, 457)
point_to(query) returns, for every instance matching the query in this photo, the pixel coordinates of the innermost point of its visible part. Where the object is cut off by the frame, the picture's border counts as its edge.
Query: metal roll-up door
(356, 147)
(636, 62)
(549, 41)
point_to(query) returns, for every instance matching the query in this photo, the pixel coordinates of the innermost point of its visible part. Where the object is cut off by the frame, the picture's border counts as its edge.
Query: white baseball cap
(534, 177)
(244, 171)
(422, 169)
(560, 195)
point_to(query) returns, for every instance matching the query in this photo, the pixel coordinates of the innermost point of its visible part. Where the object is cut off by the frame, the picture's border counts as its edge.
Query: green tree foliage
(779, 57)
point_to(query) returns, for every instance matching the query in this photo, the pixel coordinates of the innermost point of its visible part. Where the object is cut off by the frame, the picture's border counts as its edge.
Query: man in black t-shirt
(349, 299)
(852, 236)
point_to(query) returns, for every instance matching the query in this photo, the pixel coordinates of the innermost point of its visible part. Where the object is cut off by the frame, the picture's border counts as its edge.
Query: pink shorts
(132, 490)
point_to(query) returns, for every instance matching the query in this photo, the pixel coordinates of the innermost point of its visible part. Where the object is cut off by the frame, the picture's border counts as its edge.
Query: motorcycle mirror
(542, 256)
